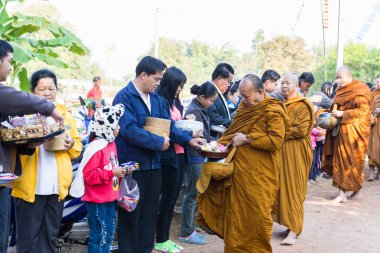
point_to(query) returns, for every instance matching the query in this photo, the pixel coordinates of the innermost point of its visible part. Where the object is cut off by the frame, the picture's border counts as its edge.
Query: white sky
(129, 24)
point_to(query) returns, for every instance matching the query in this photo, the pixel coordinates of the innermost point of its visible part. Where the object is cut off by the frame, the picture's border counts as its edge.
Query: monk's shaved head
(289, 85)
(253, 81)
(292, 77)
(251, 90)
(343, 76)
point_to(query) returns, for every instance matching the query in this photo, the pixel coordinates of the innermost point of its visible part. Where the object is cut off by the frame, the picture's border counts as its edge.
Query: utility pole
(156, 37)
(340, 49)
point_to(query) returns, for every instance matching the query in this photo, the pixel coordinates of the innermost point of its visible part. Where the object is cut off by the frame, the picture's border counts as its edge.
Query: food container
(189, 125)
(326, 120)
(157, 126)
(30, 140)
(57, 143)
(210, 154)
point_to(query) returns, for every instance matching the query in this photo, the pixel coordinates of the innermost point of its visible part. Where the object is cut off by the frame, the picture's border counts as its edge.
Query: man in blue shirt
(137, 228)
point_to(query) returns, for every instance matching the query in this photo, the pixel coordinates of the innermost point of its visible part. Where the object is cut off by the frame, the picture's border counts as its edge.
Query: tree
(284, 54)
(362, 59)
(35, 38)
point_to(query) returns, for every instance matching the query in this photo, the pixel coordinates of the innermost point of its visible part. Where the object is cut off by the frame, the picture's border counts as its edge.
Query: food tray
(210, 154)
(7, 179)
(33, 140)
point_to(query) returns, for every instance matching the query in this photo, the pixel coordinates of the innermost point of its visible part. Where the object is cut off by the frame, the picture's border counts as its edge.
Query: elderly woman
(40, 191)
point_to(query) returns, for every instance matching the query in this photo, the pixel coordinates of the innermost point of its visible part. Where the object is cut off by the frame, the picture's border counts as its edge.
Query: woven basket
(158, 126)
(158, 131)
(56, 144)
(157, 123)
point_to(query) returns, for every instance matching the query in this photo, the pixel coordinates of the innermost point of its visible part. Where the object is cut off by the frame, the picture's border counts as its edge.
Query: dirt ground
(350, 227)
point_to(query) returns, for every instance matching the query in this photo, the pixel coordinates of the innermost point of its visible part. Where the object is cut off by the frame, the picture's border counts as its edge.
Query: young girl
(100, 175)
(206, 95)
(232, 96)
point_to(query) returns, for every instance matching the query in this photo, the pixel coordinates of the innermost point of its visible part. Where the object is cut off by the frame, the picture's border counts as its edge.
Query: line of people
(271, 125)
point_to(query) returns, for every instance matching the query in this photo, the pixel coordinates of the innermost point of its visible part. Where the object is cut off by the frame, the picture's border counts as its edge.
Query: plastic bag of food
(129, 193)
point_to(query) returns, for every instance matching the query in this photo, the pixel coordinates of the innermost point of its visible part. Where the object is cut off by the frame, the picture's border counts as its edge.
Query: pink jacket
(100, 184)
(314, 134)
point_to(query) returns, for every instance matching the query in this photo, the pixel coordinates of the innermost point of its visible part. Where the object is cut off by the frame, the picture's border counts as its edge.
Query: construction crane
(368, 23)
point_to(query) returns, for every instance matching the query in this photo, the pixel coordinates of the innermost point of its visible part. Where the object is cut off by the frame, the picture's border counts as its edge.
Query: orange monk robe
(344, 155)
(374, 137)
(296, 159)
(238, 209)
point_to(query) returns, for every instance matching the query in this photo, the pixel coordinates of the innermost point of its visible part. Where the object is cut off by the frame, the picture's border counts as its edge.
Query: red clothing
(95, 93)
(100, 184)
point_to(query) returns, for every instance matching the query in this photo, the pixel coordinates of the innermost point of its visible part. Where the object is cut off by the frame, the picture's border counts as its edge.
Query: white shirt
(224, 100)
(47, 172)
(145, 98)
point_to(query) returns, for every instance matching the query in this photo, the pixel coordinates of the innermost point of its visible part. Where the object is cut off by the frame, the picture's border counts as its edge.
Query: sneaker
(175, 245)
(194, 238)
(166, 247)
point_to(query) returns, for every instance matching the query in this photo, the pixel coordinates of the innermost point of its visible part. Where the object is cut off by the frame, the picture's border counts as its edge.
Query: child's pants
(101, 220)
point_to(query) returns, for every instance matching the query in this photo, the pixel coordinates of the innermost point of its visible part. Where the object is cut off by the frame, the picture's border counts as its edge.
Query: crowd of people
(272, 123)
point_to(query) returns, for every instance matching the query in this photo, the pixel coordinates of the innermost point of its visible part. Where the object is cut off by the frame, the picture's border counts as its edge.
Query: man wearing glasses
(219, 113)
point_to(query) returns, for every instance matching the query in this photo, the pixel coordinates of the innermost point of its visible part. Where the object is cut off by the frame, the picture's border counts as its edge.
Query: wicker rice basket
(56, 144)
(158, 126)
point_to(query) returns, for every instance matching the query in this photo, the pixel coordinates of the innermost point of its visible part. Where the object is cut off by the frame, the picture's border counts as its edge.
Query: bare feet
(355, 196)
(370, 176)
(340, 199)
(290, 239)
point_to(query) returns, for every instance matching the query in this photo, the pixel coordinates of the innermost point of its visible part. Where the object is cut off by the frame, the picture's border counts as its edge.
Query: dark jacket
(169, 156)
(200, 115)
(14, 102)
(218, 113)
(133, 142)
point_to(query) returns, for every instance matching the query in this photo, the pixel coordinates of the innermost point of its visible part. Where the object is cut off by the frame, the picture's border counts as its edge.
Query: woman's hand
(69, 142)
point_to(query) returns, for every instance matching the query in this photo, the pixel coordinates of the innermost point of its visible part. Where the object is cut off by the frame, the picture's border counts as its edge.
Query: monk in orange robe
(238, 209)
(345, 147)
(374, 137)
(296, 159)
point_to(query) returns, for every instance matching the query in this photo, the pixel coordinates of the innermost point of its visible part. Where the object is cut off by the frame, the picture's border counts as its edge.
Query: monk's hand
(197, 142)
(337, 113)
(240, 139)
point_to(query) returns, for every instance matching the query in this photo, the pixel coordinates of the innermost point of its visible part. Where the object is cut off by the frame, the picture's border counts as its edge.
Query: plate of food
(214, 150)
(6, 178)
(29, 129)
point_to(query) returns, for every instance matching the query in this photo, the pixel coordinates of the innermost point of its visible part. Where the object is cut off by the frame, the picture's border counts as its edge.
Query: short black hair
(255, 80)
(172, 79)
(150, 65)
(233, 88)
(307, 77)
(327, 88)
(369, 85)
(96, 78)
(40, 74)
(270, 74)
(5, 48)
(223, 70)
(206, 89)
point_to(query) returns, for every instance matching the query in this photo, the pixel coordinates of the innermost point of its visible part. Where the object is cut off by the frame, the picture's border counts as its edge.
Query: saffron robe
(238, 209)
(296, 159)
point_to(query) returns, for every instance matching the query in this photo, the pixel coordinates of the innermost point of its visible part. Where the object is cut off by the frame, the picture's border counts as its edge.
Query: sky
(129, 25)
